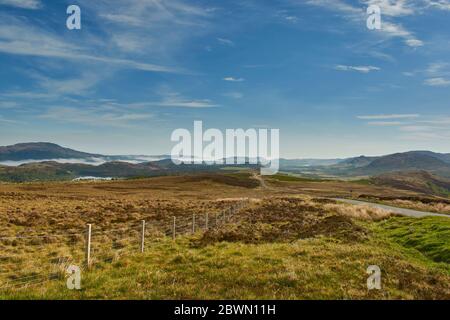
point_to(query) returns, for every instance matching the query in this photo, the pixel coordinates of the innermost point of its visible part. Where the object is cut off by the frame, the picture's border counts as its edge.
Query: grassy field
(284, 244)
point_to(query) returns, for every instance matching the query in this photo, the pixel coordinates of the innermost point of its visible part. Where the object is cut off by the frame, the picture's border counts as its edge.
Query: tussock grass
(359, 212)
(420, 203)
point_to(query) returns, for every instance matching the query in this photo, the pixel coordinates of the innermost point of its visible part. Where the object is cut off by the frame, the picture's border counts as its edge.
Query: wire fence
(32, 259)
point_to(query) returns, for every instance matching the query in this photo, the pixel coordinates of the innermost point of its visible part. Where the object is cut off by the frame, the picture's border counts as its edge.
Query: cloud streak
(233, 79)
(23, 4)
(437, 82)
(388, 116)
(19, 39)
(361, 69)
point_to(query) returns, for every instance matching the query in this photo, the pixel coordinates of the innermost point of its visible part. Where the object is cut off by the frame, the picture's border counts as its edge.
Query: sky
(139, 69)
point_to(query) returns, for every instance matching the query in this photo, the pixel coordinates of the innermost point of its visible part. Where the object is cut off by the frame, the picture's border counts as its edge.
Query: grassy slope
(430, 236)
(313, 268)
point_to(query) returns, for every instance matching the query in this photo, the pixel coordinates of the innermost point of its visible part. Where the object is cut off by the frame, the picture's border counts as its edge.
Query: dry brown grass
(278, 219)
(359, 212)
(418, 202)
(291, 218)
(439, 207)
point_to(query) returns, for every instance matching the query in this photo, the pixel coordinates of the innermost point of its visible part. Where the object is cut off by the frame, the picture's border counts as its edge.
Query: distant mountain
(43, 151)
(419, 181)
(40, 151)
(357, 162)
(408, 161)
(441, 156)
(52, 171)
(437, 163)
(287, 164)
(63, 163)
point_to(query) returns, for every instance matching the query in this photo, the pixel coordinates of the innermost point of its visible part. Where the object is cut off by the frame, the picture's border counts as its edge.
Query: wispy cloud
(175, 99)
(18, 38)
(136, 26)
(437, 82)
(233, 79)
(385, 123)
(24, 4)
(78, 86)
(226, 42)
(362, 69)
(413, 127)
(388, 116)
(94, 116)
(336, 5)
(9, 121)
(439, 4)
(394, 8)
(438, 68)
(357, 15)
(187, 103)
(416, 128)
(397, 30)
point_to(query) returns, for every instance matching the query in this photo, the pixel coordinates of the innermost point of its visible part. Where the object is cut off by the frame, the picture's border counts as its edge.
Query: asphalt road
(400, 211)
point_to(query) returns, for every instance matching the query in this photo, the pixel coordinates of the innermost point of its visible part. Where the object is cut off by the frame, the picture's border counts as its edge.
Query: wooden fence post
(88, 245)
(193, 223)
(143, 236)
(174, 228)
(206, 221)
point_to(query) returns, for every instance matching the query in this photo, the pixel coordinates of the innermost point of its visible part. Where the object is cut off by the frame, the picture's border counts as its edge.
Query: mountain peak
(40, 151)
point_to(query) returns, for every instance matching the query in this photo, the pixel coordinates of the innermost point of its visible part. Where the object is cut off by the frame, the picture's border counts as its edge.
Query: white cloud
(397, 30)
(414, 43)
(24, 4)
(336, 5)
(170, 98)
(362, 69)
(137, 25)
(394, 8)
(438, 69)
(416, 128)
(233, 79)
(76, 86)
(187, 103)
(439, 4)
(8, 121)
(357, 14)
(292, 19)
(385, 123)
(19, 39)
(226, 42)
(388, 116)
(437, 82)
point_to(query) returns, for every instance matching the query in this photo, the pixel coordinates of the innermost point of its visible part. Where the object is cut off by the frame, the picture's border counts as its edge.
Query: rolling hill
(53, 171)
(408, 161)
(419, 181)
(80, 164)
(40, 151)
(436, 163)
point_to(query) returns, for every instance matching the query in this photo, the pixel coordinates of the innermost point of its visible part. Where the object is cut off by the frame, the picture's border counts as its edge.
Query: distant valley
(48, 161)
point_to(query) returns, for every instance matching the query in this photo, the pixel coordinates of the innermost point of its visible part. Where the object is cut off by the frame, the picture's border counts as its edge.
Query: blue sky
(139, 69)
